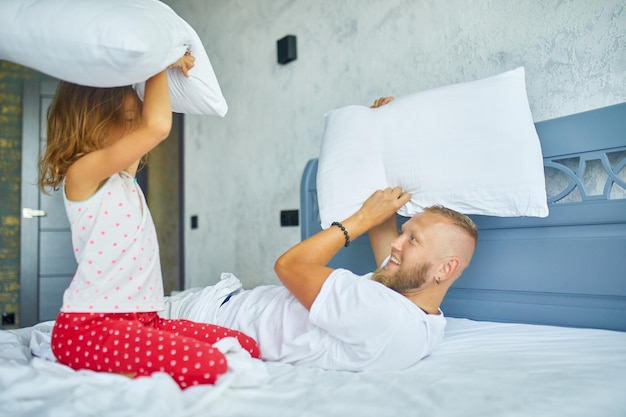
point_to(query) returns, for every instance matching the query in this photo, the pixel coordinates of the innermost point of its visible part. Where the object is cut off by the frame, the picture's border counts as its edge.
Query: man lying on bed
(334, 319)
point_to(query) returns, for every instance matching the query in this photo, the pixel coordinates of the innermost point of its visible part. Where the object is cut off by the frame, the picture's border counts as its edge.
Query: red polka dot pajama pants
(143, 343)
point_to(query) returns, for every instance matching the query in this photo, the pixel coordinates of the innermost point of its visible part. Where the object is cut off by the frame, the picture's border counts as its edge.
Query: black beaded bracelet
(345, 232)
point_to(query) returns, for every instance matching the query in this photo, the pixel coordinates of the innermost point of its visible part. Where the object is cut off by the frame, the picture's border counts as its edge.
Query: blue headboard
(567, 269)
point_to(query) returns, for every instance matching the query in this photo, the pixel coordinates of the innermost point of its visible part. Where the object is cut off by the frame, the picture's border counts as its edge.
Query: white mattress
(481, 369)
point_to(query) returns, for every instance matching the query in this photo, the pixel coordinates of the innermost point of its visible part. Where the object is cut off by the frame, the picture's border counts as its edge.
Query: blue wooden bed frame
(568, 269)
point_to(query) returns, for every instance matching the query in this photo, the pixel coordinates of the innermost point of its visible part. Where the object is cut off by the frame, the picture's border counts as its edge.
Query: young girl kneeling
(108, 321)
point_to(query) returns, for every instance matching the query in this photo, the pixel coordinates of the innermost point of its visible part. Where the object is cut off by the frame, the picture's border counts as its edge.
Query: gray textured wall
(242, 170)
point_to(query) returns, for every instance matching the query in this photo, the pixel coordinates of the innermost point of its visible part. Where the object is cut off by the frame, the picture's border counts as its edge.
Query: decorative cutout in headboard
(587, 176)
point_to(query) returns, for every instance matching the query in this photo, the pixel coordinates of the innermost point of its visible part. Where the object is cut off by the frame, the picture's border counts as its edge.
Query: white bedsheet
(481, 369)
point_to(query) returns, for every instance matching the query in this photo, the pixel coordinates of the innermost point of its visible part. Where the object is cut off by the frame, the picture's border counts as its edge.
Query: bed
(536, 326)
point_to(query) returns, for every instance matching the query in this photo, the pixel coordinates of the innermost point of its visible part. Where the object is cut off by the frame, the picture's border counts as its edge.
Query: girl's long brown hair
(80, 120)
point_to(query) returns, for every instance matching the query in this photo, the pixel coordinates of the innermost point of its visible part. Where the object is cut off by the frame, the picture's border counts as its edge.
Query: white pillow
(110, 43)
(471, 147)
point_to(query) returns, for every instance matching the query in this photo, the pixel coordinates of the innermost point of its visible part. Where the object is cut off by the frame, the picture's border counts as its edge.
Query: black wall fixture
(286, 48)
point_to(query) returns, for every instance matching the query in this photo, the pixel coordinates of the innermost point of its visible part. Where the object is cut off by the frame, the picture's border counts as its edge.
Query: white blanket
(481, 369)
(33, 384)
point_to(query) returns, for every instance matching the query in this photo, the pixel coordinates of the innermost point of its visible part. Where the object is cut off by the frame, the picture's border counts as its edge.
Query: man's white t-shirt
(354, 324)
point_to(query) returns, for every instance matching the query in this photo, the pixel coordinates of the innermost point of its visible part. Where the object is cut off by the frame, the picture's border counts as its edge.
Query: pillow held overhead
(471, 147)
(110, 43)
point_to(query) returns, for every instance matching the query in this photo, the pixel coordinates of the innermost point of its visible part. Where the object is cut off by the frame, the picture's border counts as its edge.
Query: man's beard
(403, 280)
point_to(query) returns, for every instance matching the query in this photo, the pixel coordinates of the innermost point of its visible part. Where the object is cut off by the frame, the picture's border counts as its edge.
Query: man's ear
(449, 267)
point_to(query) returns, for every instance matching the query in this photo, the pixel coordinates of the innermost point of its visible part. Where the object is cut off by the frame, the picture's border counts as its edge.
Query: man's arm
(381, 237)
(302, 269)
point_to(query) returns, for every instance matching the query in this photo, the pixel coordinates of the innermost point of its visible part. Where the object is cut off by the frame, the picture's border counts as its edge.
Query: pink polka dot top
(116, 247)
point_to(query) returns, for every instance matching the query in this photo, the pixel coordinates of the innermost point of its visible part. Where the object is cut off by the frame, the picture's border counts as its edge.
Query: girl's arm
(87, 174)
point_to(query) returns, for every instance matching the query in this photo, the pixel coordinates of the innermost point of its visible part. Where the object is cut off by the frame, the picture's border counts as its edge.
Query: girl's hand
(185, 63)
(381, 102)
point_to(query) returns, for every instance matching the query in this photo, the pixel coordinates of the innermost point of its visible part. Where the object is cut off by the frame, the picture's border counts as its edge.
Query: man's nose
(397, 243)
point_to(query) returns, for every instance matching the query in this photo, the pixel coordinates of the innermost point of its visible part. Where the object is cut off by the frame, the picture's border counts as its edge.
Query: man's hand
(383, 204)
(381, 102)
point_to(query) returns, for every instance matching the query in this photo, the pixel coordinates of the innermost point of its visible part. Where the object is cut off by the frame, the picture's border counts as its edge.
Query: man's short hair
(457, 218)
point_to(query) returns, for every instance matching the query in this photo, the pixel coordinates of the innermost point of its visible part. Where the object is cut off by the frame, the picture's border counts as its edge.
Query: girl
(108, 321)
